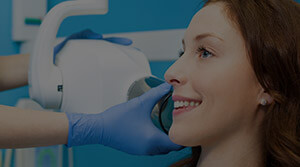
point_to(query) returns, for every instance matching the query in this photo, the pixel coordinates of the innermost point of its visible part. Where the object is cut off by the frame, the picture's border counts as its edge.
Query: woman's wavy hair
(271, 31)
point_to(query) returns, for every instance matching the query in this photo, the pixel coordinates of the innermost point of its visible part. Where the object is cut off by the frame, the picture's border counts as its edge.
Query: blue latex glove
(127, 127)
(89, 34)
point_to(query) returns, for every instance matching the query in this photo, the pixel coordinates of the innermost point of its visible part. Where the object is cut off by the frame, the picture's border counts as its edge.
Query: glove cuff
(73, 118)
(84, 129)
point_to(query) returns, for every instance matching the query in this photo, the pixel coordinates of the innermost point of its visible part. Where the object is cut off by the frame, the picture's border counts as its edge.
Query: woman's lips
(184, 104)
(182, 110)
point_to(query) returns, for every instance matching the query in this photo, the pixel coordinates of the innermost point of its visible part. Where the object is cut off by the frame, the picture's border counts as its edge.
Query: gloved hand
(127, 127)
(89, 34)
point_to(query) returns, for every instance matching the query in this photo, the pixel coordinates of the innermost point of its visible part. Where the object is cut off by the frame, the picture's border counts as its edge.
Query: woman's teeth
(178, 104)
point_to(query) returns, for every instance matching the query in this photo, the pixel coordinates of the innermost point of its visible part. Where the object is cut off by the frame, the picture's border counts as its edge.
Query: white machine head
(88, 75)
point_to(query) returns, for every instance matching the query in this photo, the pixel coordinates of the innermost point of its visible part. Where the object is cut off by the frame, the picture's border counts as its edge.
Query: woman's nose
(175, 75)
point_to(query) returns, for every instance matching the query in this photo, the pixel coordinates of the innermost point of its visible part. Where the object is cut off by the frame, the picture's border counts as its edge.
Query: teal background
(123, 16)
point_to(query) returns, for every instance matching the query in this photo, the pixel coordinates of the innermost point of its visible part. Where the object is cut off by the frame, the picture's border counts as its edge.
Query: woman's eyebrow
(203, 36)
(207, 35)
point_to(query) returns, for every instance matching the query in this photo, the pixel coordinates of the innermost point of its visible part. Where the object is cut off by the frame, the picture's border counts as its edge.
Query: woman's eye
(204, 54)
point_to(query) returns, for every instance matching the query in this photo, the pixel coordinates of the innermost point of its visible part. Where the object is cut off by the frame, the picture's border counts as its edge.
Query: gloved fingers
(151, 97)
(119, 40)
(86, 34)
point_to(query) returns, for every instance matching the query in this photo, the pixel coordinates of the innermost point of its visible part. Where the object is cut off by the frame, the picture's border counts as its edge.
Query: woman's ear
(264, 98)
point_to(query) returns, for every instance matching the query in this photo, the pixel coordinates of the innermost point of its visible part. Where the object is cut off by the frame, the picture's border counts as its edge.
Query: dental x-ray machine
(88, 75)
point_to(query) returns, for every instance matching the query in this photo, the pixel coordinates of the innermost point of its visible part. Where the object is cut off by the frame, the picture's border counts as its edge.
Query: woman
(237, 85)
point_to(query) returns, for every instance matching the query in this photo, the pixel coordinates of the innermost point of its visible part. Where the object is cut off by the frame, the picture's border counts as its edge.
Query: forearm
(13, 71)
(27, 128)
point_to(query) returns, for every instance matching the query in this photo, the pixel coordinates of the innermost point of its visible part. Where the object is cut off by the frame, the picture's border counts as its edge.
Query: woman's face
(215, 72)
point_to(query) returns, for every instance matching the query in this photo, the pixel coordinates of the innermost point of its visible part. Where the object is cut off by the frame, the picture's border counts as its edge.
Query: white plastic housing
(97, 74)
(89, 76)
(44, 76)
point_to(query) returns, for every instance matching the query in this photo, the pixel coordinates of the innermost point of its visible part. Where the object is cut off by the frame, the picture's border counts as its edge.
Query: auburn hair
(271, 31)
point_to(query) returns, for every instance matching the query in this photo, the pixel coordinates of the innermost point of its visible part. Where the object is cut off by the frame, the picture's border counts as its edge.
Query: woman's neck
(241, 149)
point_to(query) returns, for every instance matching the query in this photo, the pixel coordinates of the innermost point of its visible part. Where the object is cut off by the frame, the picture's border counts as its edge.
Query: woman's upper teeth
(178, 104)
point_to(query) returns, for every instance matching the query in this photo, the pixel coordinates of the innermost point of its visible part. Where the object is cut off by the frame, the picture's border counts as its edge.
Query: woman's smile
(184, 104)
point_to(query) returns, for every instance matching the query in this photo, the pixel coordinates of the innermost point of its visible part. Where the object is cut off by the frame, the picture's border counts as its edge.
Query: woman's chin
(185, 137)
(178, 136)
